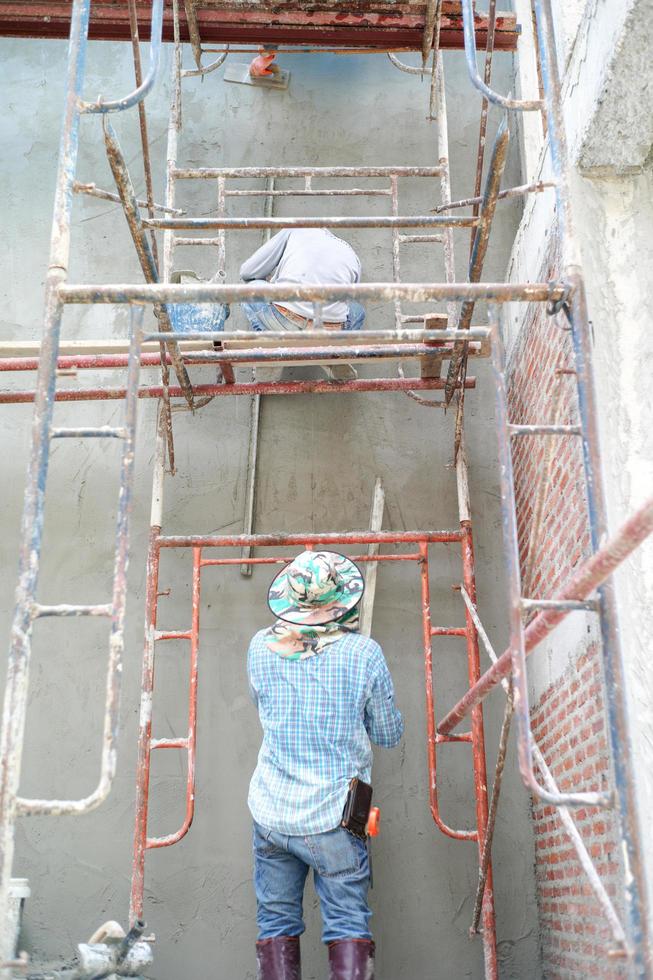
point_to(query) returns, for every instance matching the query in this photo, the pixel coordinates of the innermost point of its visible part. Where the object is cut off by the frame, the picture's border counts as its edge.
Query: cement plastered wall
(606, 58)
(319, 458)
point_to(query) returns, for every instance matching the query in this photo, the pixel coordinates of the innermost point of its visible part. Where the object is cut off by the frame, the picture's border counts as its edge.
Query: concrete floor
(318, 462)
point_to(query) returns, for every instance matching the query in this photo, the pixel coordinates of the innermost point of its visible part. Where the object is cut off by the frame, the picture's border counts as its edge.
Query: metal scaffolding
(429, 338)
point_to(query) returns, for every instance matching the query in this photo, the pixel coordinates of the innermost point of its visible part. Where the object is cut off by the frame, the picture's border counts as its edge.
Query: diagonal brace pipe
(479, 249)
(143, 249)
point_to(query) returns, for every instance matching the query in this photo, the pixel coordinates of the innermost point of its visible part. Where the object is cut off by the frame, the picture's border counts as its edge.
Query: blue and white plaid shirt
(318, 717)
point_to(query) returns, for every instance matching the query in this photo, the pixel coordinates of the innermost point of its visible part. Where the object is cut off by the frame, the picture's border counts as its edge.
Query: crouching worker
(323, 693)
(295, 257)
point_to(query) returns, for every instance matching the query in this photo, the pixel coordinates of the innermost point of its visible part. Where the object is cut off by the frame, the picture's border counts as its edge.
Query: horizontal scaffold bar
(311, 221)
(307, 537)
(8, 397)
(415, 292)
(211, 173)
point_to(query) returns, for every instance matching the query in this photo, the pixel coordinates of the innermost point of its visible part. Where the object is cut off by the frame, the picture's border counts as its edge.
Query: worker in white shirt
(295, 257)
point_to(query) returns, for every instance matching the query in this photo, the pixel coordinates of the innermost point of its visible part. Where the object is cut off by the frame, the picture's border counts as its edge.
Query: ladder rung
(550, 430)
(173, 635)
(410, 239)
(460, 737)
(98, 432)
(589, 604)
(448, 631)
(168, 743)
(196, 241)
(69, 610)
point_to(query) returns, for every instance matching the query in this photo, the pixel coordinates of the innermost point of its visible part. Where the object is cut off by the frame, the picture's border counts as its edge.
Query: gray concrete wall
(319, 458)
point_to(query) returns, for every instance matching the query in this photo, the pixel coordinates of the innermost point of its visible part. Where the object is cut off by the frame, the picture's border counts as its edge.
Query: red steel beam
(376, 25)
(9, 397)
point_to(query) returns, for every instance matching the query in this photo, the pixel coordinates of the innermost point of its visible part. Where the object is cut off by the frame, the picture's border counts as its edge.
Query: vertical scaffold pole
(15, 704)
(478, 733)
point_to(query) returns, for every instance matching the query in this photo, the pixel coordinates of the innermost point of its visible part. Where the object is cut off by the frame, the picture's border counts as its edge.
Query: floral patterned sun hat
(317, 587)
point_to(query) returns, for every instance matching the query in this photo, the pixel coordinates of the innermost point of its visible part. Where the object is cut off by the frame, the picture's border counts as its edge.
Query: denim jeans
(340, 873)
(265, 316)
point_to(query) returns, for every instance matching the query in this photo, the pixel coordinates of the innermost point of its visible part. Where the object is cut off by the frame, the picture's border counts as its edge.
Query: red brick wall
(568, 717)
(569, 726)
(542, 350)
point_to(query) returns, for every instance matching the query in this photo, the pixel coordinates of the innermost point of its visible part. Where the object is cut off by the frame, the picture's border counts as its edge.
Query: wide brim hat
(317, 587)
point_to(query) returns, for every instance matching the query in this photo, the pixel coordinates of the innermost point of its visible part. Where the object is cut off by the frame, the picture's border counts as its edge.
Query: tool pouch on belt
(357, 808)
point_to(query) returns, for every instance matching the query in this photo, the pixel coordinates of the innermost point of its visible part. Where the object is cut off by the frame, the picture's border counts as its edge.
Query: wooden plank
(371, 567)
(254, 429)
(31, 348)
(431, 367)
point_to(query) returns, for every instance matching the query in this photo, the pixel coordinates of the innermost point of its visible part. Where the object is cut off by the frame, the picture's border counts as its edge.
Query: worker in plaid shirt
(323, 693)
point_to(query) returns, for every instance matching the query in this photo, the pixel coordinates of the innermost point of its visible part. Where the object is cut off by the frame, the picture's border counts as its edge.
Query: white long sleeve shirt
(306, 255)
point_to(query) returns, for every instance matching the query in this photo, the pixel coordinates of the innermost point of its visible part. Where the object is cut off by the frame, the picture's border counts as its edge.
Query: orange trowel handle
(374, 822)
(260, 64)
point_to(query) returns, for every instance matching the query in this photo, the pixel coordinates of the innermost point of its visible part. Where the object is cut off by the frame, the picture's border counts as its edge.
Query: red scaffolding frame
(199, 545)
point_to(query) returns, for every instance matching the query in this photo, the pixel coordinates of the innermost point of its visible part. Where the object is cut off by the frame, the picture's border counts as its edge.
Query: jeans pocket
(263, 843)
(336, 853)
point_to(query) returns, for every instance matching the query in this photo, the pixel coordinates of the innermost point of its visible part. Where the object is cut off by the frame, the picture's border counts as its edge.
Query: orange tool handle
(374, 822)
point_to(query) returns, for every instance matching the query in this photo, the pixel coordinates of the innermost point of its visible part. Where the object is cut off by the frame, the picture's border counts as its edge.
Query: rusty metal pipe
(145, 255)
(431, 736)
(479, 249)
(210, 173)
(478, 756)
(589, 576)
(16, 689)
(116, 610)
(340, 221)
(527, 292)
(308, 537)
(245, 388)
(519, 191)
(90, 190)
(190, 742)
(142, 89)
(99, 362)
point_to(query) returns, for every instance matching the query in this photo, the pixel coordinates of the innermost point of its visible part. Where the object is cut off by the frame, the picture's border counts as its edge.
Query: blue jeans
(265, 316)
(340, 873)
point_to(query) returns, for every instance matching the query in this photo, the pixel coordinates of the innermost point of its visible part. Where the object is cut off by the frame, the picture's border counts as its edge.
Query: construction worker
(294, 257)
(323, 693)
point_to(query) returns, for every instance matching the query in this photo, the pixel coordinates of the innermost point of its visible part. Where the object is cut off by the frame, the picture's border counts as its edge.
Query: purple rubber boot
(351, 959)
(278, 959)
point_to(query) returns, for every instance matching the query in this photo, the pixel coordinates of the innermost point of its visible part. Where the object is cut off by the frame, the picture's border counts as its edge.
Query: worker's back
(318, 715)
(306, 255)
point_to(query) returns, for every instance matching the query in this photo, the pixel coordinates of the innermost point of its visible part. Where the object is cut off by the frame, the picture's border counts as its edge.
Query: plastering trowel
(261, 72)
